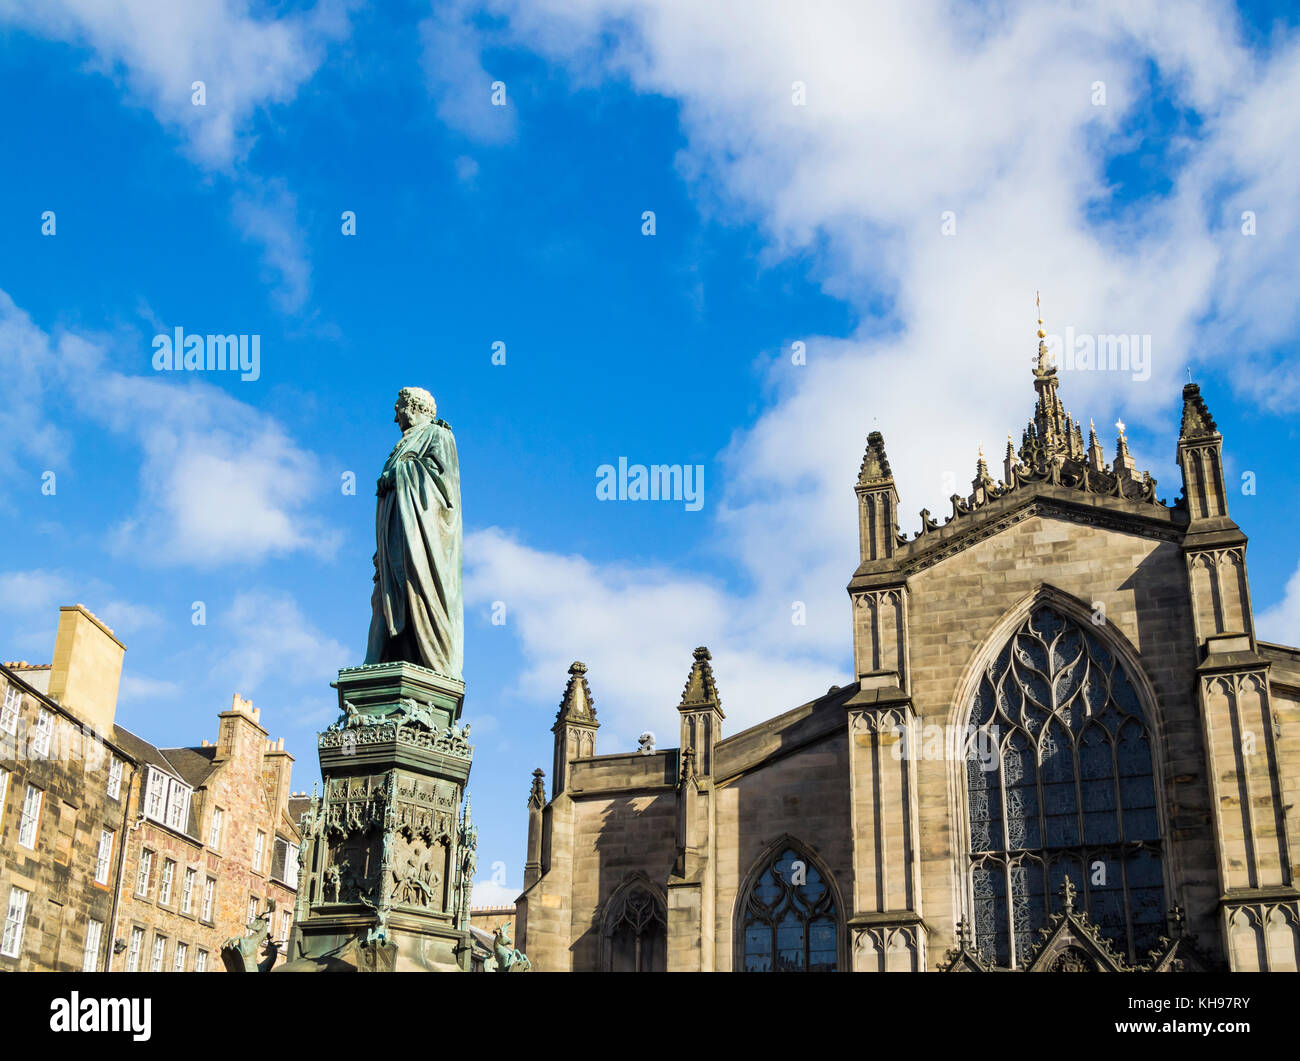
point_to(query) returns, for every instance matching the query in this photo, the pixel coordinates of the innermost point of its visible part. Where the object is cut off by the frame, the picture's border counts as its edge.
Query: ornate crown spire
(1049, 428)
(1052, 452)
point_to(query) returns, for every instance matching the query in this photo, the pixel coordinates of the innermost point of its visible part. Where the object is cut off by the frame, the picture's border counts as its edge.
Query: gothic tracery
(1060, 782)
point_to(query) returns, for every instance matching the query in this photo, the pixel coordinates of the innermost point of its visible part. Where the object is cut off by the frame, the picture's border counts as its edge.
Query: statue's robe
(418, 609)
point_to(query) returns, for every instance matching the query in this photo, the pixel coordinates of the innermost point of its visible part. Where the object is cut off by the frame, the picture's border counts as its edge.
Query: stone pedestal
(387, 856)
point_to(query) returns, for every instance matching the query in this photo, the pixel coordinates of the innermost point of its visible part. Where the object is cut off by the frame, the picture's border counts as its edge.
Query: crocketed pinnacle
(875, 464)
(577, 704)
(700, 690)
(1197, 421)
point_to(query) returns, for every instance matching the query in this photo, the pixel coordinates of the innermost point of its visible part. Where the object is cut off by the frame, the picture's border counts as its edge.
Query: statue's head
(414, 405)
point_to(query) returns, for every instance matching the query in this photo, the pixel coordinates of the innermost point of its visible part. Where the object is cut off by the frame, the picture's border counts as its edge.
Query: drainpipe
(126, 831)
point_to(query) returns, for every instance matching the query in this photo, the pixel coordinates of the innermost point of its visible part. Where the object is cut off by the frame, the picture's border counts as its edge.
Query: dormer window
(167, 800)
(178, 805)
(156, 794)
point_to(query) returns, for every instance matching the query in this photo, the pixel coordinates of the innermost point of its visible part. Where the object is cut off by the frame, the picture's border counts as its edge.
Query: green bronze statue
(418, 610)
(509, 958)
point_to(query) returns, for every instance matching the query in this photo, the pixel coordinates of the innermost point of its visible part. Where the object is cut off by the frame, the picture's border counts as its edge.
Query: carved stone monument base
(354, 956)
(387, 856)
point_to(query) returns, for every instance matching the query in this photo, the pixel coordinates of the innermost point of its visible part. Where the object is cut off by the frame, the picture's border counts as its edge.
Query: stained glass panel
(985, 807)
(989, 893)
(821, 946)
(791, 922)
(1060, 802)
(1020, 789)
(1028, 908)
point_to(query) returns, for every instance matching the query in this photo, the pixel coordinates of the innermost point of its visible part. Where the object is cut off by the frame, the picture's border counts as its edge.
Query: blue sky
(775, 223)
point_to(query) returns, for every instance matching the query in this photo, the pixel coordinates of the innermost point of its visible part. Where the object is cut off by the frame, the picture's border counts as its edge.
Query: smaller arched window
(789, 920)
(635, 931)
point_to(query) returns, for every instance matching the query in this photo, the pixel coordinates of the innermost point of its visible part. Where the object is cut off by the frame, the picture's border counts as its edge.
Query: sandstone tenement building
(124, 856)
(1062, 719)
(216, 844)
(64, 782)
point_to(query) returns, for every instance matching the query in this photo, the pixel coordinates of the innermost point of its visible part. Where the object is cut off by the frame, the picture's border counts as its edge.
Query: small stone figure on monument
(418, 611)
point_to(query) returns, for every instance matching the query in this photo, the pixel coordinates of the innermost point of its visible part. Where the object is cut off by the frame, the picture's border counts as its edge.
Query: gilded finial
(1119, 425)
(1045, 367)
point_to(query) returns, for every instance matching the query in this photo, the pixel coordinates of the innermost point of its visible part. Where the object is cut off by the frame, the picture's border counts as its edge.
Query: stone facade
(71, 876)
(56, 805)
(1062, 720)
(248, 857)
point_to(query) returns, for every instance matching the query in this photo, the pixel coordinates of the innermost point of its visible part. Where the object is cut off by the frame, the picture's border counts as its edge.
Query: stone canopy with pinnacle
(701, 690)
(577, 704)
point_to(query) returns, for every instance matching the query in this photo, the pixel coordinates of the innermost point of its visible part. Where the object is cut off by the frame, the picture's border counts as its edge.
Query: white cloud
(635, 628)
(1281, 623)
(37, 595)
(29, 439)
(220, 483)
(458, 83)
(138, 687)
(271, 637)
(267, 214)
(248, 65)
(911, 111)
(31, 592)
(466, 169)
(488, 893)
(158, 50)
(125, 617)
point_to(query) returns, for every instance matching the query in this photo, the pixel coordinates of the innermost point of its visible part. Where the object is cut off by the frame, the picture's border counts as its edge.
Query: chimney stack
(87, 668)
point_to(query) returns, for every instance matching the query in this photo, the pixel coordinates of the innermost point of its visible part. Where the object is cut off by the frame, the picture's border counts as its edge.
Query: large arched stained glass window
(1060, 783)
(789, 921)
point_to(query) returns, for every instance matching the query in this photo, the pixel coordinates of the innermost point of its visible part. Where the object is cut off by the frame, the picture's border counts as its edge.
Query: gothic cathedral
(1065, 749)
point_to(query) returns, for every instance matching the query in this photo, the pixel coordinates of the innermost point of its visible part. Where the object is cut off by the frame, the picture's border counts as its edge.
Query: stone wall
(962, 609)
(58, 874)
(237, 788)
